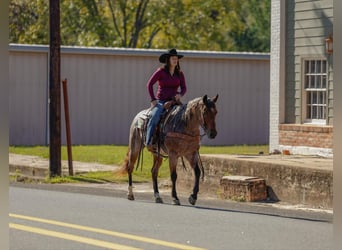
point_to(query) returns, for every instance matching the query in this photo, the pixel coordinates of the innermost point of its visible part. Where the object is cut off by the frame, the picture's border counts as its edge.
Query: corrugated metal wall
(28, 98)
(107, 87)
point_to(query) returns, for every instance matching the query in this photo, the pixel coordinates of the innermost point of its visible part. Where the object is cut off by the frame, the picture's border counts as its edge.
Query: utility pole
(55, 90)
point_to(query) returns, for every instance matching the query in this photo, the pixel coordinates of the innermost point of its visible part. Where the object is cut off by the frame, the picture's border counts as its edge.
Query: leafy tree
(28, 21)
(83, 22)
(193, 24)
(134, 22)
(249, 24)
(239, 25)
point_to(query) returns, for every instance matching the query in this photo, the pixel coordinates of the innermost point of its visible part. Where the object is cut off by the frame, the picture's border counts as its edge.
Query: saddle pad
(142, 119)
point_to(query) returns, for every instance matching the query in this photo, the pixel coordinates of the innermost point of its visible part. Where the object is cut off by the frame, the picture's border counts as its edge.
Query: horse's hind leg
(132, 155)
(157, 161)
(130, 168)
(130, 194)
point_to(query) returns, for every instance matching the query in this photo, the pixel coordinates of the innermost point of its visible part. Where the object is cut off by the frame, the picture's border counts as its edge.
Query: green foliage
(29, 21)
(239, 25)
(249, 24)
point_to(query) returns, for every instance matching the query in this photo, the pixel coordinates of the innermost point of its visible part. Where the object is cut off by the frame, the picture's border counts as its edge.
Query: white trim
(302, 150)
(304, 91)
(315, 122)
(277, 72)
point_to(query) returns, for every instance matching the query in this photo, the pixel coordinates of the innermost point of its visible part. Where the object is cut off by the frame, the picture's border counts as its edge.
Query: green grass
(99, 177)
(115, 155)
(235, 150)
(90, 153)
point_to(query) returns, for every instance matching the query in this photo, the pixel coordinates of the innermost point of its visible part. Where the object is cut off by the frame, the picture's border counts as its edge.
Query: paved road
(49, 219)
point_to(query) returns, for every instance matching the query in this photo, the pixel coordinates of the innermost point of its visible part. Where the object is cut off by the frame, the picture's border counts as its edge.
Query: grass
(99, 177)
(115, 155)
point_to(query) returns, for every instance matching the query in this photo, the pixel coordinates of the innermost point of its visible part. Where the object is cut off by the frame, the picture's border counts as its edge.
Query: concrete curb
(296, 180)
(293, 179)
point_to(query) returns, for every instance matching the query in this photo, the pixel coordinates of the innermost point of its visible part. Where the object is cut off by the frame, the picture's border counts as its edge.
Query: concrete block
(243, 188)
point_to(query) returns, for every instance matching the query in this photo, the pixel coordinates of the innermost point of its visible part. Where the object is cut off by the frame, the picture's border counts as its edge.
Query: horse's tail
(124, 167)
(130, 157)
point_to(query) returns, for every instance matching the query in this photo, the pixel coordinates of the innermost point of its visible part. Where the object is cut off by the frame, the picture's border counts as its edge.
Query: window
(315, 90)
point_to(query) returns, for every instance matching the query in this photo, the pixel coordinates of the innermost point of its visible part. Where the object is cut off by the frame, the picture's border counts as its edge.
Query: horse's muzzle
(212, 134)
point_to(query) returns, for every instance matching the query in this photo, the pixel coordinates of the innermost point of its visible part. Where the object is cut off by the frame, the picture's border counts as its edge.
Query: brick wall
(306, 135)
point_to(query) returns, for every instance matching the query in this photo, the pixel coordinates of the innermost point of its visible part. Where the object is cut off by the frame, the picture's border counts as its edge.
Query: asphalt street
(68, 217)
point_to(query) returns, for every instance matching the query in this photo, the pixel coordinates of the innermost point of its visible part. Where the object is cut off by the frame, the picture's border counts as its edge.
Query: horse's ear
(205, 99)
(215, 98)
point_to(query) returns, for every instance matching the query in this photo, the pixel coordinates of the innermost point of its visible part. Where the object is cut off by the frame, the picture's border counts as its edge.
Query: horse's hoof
(176, 202)
(130, 197)
(192, 200)
(159, 200)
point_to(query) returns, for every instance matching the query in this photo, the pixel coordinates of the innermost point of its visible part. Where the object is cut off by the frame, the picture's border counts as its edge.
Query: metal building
(107, 87)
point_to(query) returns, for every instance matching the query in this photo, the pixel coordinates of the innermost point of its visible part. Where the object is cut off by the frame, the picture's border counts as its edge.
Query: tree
(234, 25)
(29, 21)
(83, 22)
(194, 25)
(249, 25)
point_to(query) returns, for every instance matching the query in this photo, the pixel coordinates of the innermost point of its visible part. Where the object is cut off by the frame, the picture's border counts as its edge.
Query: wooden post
(67, 126)
(55, 90)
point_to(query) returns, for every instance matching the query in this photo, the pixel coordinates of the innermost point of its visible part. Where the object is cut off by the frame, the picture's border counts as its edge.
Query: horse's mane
(191, 107)
(182, 114)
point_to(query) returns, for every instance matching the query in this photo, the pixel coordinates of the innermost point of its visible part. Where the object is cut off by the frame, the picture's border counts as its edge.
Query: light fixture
(329, 45)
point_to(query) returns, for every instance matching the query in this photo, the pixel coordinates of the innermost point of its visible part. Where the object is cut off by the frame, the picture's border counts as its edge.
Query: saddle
(157, 135)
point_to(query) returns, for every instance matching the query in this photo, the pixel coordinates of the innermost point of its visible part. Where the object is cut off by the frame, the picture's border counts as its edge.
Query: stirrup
(154, 150)
(151, 147)
(159, 154)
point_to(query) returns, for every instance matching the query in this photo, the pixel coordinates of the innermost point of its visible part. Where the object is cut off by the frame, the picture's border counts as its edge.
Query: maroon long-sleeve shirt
(168, 86)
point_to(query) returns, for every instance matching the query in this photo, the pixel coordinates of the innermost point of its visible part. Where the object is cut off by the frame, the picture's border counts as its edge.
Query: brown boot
(150, 148)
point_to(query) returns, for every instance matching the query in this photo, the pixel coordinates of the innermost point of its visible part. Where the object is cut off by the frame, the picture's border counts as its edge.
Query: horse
(179, 136)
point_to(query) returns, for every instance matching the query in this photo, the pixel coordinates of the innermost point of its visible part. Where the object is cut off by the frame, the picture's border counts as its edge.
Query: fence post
(67, 126)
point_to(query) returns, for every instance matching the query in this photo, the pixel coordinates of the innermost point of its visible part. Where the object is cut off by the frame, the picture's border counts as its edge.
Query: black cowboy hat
(171, 52)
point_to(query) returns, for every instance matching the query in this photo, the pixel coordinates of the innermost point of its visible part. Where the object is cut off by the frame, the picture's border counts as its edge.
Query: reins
(184, 136)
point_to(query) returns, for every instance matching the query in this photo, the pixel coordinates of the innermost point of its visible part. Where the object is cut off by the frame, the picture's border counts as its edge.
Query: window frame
(304, 74)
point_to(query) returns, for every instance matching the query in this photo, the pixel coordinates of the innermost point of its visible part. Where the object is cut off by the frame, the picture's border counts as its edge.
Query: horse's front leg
(173, 172)
(193, 196)
(193, 160)
(157, 161)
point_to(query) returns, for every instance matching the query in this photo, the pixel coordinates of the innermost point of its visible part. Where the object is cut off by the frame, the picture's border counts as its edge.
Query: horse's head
(209, 116)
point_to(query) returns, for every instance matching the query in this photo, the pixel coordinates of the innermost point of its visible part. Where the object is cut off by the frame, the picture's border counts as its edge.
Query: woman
(171, 85)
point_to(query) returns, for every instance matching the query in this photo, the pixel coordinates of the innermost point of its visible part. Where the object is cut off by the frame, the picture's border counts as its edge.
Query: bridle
(209, 105)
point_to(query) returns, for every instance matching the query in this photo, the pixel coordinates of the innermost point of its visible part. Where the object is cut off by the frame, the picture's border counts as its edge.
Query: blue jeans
(154, 120)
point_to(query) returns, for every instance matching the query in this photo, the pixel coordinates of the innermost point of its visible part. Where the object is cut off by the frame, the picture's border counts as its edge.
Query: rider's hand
(177, 97)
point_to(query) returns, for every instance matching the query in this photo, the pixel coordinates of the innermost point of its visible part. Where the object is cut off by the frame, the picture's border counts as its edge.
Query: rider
(171, 85)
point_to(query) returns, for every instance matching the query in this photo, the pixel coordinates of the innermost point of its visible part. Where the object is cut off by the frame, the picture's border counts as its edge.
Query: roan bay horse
(179, 136)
